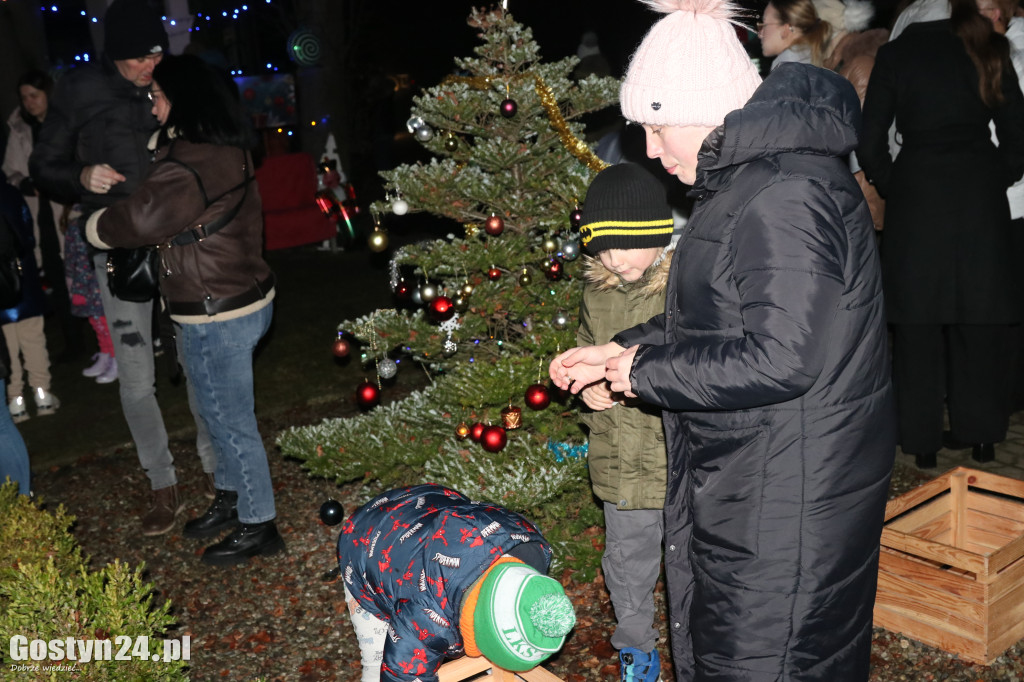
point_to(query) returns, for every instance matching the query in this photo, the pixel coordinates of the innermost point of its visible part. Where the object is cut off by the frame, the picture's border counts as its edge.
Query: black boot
(222, 514)
(927, 460)
(245, 542)
(983, 452)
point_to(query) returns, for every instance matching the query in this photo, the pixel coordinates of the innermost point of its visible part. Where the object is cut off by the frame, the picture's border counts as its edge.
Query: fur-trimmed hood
(653, 282)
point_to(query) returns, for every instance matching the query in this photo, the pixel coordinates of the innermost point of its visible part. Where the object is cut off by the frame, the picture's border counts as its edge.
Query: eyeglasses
(154, 95)
(760, 25)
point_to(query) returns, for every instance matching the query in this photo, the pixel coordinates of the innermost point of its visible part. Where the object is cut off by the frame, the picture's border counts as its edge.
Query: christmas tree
(485, 311)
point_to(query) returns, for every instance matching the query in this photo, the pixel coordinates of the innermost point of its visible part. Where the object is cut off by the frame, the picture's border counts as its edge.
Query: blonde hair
(815, 33)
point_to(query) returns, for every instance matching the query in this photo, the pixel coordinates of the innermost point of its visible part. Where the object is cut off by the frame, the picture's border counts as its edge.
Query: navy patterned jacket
(409, 555)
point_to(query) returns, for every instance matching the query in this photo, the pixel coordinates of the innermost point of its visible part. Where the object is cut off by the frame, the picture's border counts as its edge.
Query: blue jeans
(13, 453)
(217, 358)
(131, 330)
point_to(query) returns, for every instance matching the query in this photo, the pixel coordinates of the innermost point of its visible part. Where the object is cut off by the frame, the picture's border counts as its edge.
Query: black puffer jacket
(95, 116)
(772, 364)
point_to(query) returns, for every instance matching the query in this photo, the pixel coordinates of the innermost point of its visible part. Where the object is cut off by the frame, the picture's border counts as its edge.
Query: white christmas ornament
(400, 206)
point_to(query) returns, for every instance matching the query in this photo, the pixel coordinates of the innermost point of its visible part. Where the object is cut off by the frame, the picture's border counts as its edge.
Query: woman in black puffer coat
(770, 361)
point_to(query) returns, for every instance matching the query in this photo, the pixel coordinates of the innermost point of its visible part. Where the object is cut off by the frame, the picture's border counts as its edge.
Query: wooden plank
(967, 648)
(936, 551)
(997, 506)
(958, 508)
(922, 602)
(468, 667)
(952, 580)
(918, 495)
(986, 522)
(925, 514)
(1004, 556)
(993, 482)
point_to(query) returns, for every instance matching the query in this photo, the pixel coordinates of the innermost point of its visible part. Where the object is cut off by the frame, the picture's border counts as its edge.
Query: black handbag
(134, 274)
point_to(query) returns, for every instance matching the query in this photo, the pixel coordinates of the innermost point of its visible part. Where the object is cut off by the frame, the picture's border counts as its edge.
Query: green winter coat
(626, 453)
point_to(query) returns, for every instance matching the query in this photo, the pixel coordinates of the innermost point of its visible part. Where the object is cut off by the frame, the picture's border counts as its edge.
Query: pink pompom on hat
(690, 69)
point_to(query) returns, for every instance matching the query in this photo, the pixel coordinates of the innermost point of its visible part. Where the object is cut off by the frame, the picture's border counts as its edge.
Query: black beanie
(133, 29)
(625, 208)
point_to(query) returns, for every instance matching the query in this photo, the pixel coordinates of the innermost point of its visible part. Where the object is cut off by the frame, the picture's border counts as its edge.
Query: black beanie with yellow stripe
(625, 208)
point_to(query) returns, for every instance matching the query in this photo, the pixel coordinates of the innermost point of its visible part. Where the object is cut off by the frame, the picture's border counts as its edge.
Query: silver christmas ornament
(428, 292)
(560, 320)
(415, 297)
(570, 250)
(387, 368)
(424, 133)
(414, 123)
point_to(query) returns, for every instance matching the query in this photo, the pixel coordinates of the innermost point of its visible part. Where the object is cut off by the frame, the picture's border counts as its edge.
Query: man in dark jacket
(92, 150)
(770, 361)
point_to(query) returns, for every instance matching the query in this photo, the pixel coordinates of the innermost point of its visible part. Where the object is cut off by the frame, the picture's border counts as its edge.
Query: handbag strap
(201, 231)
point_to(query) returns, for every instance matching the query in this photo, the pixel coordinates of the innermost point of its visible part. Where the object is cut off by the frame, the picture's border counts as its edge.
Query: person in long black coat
(947, 261)
(770, 361)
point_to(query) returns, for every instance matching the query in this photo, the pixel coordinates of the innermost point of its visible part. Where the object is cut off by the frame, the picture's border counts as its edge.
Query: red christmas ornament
(367, 395)
(509, 108)
(494, 274)
(493, 439)
(537, 397)
(402, 290)
(494, 226)
(441, 308)
(342, 348)
(476, 431)
(554, 271)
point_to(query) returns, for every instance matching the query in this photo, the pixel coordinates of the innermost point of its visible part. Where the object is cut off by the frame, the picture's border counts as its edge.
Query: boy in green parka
(627, 231)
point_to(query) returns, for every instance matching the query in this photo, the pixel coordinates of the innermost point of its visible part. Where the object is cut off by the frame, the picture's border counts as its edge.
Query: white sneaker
(99, 366)
(46, 402)
(19, 409)
(109, 375)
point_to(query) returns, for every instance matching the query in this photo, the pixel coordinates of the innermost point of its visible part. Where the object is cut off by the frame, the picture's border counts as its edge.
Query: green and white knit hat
(521, 617)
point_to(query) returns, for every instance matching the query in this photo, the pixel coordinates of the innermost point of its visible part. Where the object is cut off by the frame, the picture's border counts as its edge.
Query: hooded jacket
(771, 362)
(409, 555)
(626, 446)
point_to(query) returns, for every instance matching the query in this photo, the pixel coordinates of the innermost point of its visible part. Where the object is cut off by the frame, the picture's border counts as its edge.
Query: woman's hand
(617, 371)
(581, 366)
(99, 178)
(598, 396)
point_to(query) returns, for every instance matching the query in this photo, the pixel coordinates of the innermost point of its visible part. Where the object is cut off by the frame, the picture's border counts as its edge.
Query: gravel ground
(280, 619)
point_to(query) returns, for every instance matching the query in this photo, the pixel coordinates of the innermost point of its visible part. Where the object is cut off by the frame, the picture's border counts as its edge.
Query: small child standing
(429, 574)
(627, 230)
(23, 324)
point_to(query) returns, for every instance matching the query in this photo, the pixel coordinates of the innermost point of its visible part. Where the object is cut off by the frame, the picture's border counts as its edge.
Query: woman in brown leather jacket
(201, 208)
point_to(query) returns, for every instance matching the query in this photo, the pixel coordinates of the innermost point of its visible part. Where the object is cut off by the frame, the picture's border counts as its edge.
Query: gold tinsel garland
(577, 147)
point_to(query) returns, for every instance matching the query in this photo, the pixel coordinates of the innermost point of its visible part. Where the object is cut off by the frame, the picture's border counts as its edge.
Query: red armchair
(290, 215)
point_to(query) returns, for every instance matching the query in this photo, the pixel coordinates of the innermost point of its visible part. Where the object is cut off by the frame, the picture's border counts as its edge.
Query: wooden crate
(479, 668)
(951, 572)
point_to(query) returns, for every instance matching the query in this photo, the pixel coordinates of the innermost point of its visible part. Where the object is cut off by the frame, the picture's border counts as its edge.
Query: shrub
(49, 595)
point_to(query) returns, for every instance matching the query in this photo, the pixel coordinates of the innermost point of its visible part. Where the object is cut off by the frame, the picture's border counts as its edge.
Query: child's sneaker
(46, 402)
(109, 375)
(19, 409)
(101, 362)
(636, 666)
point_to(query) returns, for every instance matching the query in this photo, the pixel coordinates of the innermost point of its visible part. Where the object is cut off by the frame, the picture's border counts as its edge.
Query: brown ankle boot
(165, 509)
(209, 490)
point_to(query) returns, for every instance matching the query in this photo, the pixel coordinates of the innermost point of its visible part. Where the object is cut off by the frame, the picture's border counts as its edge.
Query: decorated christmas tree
(483, 311)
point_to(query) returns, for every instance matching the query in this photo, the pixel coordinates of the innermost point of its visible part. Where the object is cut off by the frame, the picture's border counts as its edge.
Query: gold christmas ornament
(550, 246)
(378, 240)
(462, 431)
(512, 417)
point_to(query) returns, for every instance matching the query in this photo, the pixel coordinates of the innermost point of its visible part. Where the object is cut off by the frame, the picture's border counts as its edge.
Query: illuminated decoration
(304, 47)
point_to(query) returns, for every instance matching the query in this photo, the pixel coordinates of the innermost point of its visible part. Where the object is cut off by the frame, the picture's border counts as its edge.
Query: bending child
(429, 574)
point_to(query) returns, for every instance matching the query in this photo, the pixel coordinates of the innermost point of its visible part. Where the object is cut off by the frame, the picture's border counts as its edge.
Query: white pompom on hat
(690, 69)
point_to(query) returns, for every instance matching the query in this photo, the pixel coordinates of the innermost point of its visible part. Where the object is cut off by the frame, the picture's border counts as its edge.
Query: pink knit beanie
(690, 69)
